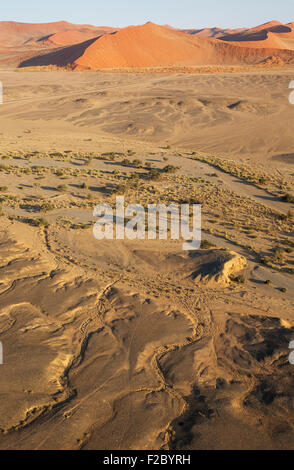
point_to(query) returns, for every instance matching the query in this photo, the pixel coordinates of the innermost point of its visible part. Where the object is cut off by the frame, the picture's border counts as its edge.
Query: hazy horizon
(187, 14)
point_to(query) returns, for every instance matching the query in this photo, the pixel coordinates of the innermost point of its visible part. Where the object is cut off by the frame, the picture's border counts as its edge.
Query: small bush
(170, 169)
(40, 222)
(46, 207)
(206, 244)
(120, 189)
(154, 175)
(288, 197)
(62, 187)
(240, 279)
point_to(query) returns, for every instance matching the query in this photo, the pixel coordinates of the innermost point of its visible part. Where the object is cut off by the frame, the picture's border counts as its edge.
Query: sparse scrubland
(130, 344)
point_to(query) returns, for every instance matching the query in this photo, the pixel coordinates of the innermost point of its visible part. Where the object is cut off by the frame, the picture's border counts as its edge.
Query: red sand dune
(269, 35)
(70, 37)
(212, 32)
(17, 34)
(151, 45)
(20, 41)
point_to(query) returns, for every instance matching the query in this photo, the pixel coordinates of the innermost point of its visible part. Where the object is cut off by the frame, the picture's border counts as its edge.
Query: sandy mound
(218, 266)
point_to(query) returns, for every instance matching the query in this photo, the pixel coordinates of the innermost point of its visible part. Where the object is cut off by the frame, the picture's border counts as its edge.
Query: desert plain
(138, 344)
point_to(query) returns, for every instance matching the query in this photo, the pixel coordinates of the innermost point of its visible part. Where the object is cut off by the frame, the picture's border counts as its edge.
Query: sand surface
(139, 344)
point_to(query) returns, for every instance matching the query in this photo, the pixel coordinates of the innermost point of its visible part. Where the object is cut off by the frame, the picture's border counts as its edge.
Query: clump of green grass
(3, 189)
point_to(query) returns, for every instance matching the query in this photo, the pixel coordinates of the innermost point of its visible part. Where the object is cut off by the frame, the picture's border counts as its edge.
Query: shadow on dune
(61, 57)
(284, 157)
(256, 36)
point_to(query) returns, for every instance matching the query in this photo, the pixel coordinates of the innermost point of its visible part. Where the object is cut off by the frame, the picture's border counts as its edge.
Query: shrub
(240, 279)
(120, 189)
(46, 207)
(205, 245)
(40, 222)
(278, 253)
(288, 197)
(170, 169)
(154, 175)
(62, 187)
